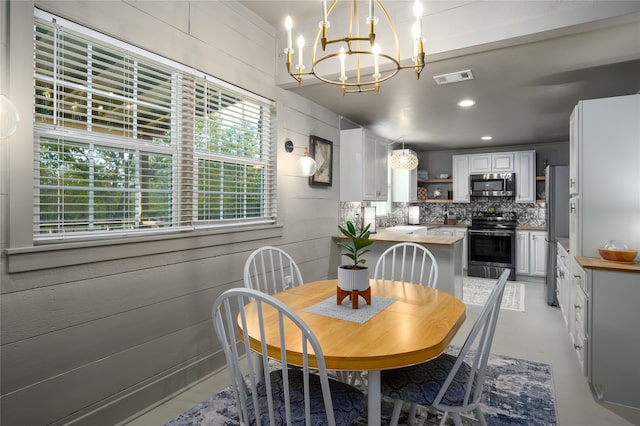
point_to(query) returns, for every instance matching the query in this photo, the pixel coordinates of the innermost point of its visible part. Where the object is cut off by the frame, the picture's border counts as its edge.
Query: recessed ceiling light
(466, 103)
(487, 138)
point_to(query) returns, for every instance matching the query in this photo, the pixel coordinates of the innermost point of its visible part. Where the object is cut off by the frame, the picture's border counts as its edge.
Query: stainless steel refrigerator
(557, 221)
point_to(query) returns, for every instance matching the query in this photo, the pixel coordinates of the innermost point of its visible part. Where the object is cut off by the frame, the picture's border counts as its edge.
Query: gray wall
(93, 332)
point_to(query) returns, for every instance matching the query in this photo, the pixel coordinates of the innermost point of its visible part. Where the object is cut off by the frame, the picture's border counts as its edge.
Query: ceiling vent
(453, 77)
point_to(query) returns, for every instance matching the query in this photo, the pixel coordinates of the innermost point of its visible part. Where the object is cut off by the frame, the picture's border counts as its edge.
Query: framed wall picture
(321, 150)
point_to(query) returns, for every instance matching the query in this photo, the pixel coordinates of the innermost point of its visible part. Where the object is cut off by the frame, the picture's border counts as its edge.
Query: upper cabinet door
(503, 162)
(500, 162)
(375, 171)
(461, 179)
(363, 166)
(525, 177)
(574, 147)
(480, 163)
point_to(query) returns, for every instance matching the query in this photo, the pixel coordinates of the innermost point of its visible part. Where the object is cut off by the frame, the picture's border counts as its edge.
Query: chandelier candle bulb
(324, 12)
(371, 10)
(417, 11)
(300, 46)
(416, 36)
(288, 25)
(343, 56)
(376, 62)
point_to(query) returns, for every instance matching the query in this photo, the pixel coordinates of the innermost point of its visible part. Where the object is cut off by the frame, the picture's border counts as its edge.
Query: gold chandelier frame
(360, 84)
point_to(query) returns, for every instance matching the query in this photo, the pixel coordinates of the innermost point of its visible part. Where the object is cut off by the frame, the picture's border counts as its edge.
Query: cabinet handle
(572, 182)
(577, 306)
(577, 347)
(572, 208)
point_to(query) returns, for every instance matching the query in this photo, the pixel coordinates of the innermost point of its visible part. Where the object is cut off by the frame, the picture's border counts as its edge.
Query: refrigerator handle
(572, 207)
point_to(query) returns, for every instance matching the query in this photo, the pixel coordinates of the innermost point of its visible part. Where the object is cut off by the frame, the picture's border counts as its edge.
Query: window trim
(42, 130)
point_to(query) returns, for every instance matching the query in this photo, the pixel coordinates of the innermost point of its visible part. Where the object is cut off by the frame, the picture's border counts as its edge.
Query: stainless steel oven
(492, 244)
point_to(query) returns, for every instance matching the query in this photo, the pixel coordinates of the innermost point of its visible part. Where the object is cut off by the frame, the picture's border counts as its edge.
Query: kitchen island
(447, 251)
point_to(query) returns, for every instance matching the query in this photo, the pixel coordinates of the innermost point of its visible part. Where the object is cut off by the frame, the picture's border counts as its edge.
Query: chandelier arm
(356, 84)
(347, 40)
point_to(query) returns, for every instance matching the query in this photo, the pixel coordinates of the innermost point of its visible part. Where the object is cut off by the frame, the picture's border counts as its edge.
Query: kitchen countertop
(440, 224)
(466, 225)
(608, 265)
(397, 237)
(530, 228)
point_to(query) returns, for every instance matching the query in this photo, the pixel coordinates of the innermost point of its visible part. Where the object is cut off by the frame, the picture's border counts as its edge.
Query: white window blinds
(129, 142)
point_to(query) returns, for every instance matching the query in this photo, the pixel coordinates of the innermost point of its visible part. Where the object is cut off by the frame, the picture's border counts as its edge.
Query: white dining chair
(407, 262)
(452, 384)
(271, 270)
(279, 396)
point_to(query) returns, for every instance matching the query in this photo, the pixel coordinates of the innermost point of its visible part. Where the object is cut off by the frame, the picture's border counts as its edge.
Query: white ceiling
(524, 87)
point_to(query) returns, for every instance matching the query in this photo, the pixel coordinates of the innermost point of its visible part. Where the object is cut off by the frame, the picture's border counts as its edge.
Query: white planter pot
(353, 279)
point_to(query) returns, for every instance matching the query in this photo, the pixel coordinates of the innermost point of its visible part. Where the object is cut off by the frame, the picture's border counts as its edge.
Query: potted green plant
(354, 276)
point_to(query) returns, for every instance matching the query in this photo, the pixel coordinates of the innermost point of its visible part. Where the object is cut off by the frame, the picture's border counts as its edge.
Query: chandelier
(403, 159)
(362, 54)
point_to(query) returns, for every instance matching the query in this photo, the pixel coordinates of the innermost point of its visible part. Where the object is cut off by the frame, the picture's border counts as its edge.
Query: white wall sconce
(306, 166)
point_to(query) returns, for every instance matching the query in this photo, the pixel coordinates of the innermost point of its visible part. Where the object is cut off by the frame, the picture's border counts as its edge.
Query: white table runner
(364, 313)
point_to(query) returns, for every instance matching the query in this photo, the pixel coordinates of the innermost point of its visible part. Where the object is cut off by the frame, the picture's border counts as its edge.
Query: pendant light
(403, 159)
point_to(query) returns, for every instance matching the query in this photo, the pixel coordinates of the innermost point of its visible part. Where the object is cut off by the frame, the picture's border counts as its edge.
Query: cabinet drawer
(580, 311)
(580, 346)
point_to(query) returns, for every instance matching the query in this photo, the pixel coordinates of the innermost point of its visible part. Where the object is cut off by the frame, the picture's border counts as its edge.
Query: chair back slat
(477, 346)
(407, 262)
(271, 270)
(229, 316)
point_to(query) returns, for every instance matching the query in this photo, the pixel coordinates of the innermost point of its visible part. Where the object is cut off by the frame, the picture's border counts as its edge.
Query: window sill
(54, 255)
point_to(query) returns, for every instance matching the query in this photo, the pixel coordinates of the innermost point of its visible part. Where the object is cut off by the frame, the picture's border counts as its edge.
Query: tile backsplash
(529, 214)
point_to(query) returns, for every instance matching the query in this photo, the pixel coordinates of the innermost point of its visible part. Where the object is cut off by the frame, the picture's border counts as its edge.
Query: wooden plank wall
(93, 334)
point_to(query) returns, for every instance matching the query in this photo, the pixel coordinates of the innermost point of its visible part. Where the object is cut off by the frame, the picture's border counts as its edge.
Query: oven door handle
(491, 233)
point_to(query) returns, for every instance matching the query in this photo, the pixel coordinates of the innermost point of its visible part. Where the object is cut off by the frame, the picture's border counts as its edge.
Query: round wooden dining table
(416, 325)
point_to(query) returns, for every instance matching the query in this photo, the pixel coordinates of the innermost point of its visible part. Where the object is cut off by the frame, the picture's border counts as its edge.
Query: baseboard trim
(137, 400)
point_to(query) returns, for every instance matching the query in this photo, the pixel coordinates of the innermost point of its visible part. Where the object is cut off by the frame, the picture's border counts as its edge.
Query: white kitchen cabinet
(531, 253)
(460, 174)
(564, 290)
(522, 252)
(404, 183)
(538, 254)
(456, 231)
(604, 166)
(499, 162)
(607, 333)
(525, 170)
(363, 166)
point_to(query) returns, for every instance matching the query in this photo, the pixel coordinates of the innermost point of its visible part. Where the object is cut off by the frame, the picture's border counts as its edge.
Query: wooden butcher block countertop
(398, 237)
(608, 265)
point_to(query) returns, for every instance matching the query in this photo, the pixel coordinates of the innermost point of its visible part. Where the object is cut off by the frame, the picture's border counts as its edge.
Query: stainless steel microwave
(493, 185)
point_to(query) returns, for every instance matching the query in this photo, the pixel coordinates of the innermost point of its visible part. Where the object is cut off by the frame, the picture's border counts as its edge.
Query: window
(130, 142)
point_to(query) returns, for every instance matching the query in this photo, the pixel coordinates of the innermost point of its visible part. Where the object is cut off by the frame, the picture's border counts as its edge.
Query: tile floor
(537, 334)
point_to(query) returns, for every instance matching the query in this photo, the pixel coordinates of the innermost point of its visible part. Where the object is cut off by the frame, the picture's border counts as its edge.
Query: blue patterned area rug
(517, 392)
